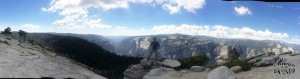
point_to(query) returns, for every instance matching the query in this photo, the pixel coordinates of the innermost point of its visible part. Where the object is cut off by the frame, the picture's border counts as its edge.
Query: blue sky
(250, 20)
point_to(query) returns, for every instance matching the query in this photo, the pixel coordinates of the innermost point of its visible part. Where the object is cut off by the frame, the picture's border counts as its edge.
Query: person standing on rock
(154, 49)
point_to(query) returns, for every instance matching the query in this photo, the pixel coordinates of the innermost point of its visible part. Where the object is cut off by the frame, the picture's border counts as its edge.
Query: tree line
(99, 60)
(7, 31)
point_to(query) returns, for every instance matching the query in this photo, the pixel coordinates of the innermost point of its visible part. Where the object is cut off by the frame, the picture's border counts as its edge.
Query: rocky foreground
(282, 66)
(24, 60)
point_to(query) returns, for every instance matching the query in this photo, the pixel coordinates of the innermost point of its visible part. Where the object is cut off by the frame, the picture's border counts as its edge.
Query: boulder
(152, 63)
(171, 63)
(146, 62)
(197, 68)
(135, 72)
(254, 60)
(221, 72)
(232, 77)
(266, 61)
(162, 73)
(183, 71)
(236, 69)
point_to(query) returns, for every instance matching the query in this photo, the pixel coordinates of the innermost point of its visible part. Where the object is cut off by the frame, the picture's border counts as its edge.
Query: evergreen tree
(7, 31)
(234, 55)
(22, 34)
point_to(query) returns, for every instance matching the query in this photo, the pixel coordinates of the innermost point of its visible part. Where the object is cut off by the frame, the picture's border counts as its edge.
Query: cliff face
(180, 46)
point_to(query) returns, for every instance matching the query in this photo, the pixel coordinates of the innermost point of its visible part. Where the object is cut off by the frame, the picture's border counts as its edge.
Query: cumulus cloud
(104, 4)
(174, 6)
(172, 9)
(189, 5)
(75, 12)
(220, 31)
(242, 10)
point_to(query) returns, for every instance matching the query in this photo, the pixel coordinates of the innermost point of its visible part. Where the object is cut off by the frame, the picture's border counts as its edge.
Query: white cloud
(191, 5)
(174, 6)
(242, 10)
(75, 13)
(220, 31)
(293, 40)
(104, 4)
(30, 26)
(121, 27)
(296, 39)
(44, 9)
(172, 9)
(120, 31)
(146, 1)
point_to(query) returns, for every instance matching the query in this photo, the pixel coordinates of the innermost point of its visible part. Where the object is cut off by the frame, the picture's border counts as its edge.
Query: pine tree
(234, 55)
(7, 31)
(22, 34)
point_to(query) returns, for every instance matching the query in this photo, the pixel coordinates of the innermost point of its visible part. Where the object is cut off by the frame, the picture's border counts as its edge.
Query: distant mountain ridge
(102, 41)
(180, 46)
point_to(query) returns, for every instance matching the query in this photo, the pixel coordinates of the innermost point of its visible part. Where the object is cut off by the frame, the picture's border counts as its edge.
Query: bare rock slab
(221, 72)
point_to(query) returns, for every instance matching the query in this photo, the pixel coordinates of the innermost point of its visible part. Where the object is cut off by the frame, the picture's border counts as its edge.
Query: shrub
(191, 61)
(245, 66)
(31, 41)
